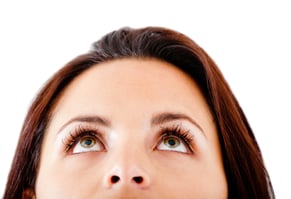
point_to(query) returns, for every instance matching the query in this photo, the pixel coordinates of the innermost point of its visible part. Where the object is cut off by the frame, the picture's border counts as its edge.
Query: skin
(131, 102)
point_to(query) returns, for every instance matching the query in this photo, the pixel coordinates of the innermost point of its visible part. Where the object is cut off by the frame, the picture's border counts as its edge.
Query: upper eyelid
(84, 126)
(157, 119)
(189, 144)
(166, 117)
(93, 127)
(73, 128)
(184, 126)
(77, 124)
(160, 119)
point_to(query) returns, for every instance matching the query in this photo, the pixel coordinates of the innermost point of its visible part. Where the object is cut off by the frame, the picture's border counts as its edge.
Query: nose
(128, 166)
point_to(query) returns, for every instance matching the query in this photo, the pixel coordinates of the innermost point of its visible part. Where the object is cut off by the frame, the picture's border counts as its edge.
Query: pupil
(172, 142)
(87, 142)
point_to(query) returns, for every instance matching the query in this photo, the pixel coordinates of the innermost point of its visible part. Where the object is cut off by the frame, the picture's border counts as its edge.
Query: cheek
(74, 177)
(185, 177)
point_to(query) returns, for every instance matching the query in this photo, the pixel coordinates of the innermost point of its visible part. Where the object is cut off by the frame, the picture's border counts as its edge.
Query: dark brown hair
(243, 163)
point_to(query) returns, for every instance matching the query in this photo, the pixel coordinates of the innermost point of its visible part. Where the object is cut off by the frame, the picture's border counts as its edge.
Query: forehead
(131, 80)
(131, 69)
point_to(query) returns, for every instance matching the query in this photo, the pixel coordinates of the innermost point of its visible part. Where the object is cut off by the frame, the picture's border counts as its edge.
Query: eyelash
(179, 132)
(81, 131)
(78, 133)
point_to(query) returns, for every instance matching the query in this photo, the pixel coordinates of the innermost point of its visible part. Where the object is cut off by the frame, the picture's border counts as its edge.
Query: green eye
(172, 142)
(87, 142)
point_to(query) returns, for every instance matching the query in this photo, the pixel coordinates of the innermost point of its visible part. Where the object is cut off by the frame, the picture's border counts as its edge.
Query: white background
(250, 42)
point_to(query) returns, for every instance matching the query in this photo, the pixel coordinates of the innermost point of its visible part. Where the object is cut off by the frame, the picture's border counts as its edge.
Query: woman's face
(131, 128)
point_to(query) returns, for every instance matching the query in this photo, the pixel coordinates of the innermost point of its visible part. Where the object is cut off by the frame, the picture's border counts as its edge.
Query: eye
(84, 139)
(87, 144)
(176, 138)
(173, 143)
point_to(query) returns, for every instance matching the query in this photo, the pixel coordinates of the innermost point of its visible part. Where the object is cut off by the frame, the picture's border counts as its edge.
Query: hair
(244, 167)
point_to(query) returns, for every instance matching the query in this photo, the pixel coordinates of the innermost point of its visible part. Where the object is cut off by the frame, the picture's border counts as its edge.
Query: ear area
(28, 194)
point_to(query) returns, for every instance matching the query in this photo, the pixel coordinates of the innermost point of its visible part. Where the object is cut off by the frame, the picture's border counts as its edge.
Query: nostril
(114, 179)
(138, 179)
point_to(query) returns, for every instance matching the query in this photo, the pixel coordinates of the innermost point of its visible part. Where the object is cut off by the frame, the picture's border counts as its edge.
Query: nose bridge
(128, 165)
(129, 149)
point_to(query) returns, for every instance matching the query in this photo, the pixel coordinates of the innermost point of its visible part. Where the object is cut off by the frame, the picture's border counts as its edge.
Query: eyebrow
(90, 119)
(157, 119)
(168, 117)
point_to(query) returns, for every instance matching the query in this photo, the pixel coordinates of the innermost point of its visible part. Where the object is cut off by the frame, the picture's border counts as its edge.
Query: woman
(145, 114)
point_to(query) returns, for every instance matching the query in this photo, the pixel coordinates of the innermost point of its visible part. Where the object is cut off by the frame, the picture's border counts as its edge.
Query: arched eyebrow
(157, 119)
(164, 117)
(90, 119)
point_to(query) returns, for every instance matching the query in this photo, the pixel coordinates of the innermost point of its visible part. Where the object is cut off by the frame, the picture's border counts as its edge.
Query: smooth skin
(129, 112)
